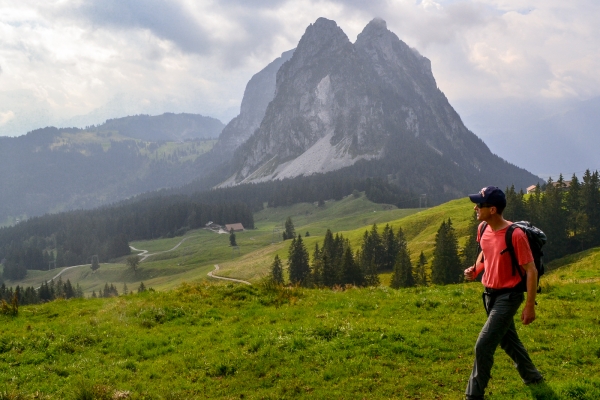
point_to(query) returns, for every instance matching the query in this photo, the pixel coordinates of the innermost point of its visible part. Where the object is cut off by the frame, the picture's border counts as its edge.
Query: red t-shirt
(498, 267)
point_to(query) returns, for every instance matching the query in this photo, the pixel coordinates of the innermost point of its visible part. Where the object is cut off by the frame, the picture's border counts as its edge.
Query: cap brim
(476, 198)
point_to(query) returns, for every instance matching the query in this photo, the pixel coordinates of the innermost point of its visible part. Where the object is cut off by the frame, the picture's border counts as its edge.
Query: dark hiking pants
(499, 329)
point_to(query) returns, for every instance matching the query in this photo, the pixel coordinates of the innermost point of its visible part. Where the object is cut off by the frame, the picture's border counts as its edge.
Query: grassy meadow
(228, 341)
(196, 338)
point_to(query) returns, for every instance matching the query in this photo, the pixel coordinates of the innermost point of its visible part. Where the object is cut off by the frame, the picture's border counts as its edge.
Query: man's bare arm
(471, 273)
(528, 314)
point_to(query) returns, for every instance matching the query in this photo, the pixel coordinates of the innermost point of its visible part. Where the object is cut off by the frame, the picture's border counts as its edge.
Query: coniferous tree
(277, 271)
(402, 275)
(590, 199)
(317, 267)
(391, 248)
(133, 263)
(125, 289)
(372, 273)
(554, 219)
(420, 270)
(515, 206)
(446, 265)
(95, 264)
(372, 252)
(142, 288)
(232, 241)
(351, 271)
(298, 265)
(290, 232)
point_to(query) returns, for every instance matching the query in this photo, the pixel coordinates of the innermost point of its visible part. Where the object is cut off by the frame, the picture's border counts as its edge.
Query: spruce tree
(421, 272)
(277, 271)
(391, 248)
(402, 275)
(317, 267)
(351, 272)
(446, 265)
(372, 273)
(290, 232)
(298, 264)
(232, 241)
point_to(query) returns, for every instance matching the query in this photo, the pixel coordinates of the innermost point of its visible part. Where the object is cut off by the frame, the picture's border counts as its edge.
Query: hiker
(503, 292)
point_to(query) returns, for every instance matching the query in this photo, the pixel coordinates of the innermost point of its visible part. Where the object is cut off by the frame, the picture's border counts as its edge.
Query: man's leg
(513, 346)
(499, 320)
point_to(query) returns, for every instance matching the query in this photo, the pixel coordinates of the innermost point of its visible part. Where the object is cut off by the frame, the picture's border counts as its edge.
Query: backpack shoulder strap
(481, 230)
(511, 249)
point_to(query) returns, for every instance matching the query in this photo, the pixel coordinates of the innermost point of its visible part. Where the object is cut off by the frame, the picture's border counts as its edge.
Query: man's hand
(471, 273)
(528, 314)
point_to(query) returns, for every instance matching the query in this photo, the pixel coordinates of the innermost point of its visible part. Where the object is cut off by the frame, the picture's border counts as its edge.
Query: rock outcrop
(337, 103)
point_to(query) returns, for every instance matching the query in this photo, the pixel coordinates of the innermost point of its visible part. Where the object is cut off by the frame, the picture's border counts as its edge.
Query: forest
(567, 211)
(72, 238)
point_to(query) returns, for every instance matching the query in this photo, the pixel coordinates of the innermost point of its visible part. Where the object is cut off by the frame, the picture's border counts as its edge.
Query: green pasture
(228, 341)
(201, 249)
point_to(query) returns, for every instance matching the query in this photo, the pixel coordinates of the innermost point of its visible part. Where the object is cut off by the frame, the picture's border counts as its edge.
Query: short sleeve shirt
(498, 266)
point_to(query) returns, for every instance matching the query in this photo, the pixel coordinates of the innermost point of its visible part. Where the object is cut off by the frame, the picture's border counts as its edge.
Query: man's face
(484, 211)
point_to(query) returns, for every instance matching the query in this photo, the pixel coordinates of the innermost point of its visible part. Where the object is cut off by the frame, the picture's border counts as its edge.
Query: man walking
(503, 292)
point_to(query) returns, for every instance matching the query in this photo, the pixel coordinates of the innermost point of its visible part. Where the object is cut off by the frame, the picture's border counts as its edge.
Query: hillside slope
(51, 170)
(235, 341)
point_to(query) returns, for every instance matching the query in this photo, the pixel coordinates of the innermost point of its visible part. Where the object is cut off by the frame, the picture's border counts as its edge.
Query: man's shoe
(536, 381)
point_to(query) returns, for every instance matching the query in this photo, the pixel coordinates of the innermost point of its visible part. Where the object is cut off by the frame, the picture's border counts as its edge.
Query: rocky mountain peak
(338, 103)
(324, 36)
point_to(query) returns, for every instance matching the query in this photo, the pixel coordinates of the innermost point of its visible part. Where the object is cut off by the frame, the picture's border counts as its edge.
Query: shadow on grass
(542, 391)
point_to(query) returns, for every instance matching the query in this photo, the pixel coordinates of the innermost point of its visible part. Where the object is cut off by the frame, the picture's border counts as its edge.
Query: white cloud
(6, 116)
(65, 58)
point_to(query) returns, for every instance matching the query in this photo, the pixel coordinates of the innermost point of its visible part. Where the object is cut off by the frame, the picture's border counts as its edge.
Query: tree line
(335, 263)
(73, 238)
(569, 214)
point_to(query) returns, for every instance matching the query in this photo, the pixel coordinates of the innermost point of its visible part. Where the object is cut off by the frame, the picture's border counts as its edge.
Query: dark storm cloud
(166, 20)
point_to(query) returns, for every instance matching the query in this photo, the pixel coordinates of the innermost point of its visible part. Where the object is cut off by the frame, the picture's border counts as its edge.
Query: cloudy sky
(81, 61)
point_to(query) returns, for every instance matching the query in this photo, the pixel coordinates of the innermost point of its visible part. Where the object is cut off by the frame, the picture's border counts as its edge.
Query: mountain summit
(375, 103)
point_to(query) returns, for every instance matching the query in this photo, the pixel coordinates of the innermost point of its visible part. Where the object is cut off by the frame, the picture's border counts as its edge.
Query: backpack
(536, 238)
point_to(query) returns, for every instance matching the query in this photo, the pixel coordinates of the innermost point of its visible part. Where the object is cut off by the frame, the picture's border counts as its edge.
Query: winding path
(212, 275)
(144, 254)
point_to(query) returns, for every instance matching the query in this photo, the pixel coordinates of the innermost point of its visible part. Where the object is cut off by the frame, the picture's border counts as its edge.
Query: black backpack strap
(481, 230)
(511, 250)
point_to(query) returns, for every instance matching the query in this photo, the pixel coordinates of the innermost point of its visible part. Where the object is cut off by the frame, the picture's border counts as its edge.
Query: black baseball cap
(490, 195)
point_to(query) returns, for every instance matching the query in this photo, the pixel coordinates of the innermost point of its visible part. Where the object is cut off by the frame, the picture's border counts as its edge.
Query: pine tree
(351, 271)
(391, 248)
(446, 266)
(420, 272)
(402, 275)
(372, 273)
(125, 289)
(290, 232)
(232, 241)
(133, 263)
(95, 263)
(317, 267)
(554, 219)
(298, 264)
(277, 271)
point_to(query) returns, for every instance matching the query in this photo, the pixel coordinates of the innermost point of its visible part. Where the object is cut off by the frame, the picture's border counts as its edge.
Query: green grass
(234, 341)
(202, 249)
(204, 339)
